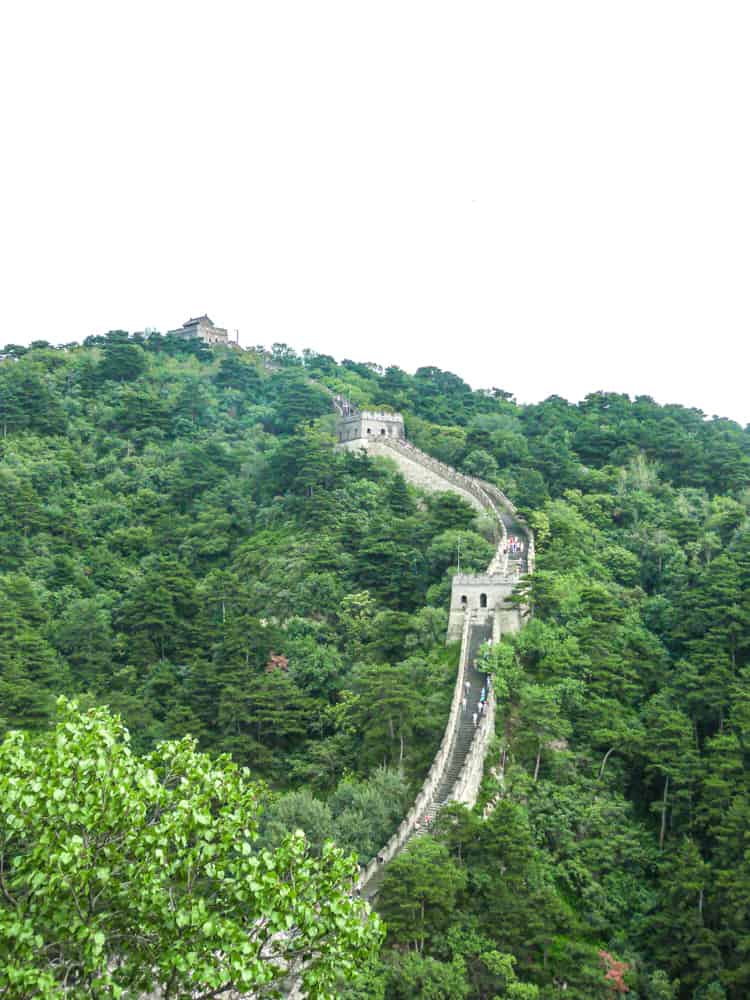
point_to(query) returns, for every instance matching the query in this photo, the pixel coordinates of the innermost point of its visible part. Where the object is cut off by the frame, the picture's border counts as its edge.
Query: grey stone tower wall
(370, 425)
(467, 593)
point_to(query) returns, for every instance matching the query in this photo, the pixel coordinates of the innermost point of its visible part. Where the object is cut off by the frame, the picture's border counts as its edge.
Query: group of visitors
(423, 824)
(481, 704)
(343, 406)
(514, 546)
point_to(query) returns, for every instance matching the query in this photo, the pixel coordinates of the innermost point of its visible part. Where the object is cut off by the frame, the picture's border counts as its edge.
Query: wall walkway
(456, 771)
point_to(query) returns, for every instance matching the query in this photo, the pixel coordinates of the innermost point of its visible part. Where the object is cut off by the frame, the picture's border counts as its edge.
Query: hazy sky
(550, 197)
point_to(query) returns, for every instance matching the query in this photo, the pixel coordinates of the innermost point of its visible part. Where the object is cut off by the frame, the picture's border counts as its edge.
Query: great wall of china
(479, 612)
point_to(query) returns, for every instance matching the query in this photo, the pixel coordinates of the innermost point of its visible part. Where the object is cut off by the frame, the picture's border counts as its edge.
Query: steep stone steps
(466, 729)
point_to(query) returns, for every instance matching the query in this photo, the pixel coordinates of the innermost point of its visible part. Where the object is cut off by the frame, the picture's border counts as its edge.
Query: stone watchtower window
(369, 431)
(463, 600)
(382, 431)
(482, 600)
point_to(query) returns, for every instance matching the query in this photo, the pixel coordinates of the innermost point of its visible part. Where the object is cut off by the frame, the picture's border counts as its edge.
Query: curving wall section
(430, 474)
(434, 775)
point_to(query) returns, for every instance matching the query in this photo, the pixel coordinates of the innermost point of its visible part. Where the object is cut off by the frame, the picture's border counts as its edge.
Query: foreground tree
(121, 875)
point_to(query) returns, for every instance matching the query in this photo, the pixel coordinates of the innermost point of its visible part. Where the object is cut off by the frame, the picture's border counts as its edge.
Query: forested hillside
(180, 541)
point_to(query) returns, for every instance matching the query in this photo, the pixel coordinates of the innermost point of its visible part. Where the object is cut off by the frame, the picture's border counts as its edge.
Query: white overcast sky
(550, 197)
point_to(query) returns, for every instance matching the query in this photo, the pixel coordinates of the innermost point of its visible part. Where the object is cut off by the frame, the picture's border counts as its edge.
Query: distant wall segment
(483, 595)
(417, 472)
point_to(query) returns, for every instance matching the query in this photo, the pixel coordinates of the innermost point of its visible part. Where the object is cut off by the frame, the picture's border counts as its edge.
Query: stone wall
(497, 494)
(430, 474)
(467, 784)
(434, 476)
(434, 775)
(445, 474)
(487, 496)
(497, 583)
(416, 472)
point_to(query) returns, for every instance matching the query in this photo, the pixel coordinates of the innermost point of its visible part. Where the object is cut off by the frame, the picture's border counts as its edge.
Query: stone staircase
(460, 750)
(466, 729)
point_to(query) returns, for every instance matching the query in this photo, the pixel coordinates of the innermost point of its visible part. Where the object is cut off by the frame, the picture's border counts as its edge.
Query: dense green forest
(180, 541)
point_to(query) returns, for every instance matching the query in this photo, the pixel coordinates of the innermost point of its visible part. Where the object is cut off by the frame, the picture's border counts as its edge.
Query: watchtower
(370, 425)
(482, 595)
(202, 328)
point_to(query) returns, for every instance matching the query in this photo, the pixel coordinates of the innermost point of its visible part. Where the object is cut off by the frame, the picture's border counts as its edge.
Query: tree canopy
(121, 875)
(180, 541)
